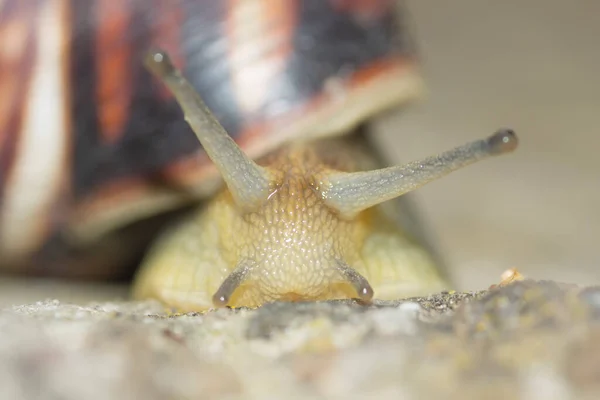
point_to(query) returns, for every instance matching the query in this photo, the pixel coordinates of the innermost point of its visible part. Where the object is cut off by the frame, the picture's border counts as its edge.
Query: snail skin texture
(303, 223)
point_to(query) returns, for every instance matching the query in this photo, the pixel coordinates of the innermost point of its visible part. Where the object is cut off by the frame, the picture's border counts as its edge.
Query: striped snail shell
(93, 149)
(96, 154)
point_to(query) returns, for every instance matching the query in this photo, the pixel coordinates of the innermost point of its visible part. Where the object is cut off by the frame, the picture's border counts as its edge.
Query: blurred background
(529, 65)
(533, 66)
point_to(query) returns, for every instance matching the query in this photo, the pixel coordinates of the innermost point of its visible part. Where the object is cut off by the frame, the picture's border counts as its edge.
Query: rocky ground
(527, 340)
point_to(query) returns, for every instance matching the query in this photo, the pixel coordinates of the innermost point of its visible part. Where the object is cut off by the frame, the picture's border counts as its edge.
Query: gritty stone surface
(529, 340)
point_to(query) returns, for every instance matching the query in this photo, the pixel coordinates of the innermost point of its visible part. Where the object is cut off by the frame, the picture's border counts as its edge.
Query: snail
(96, 160)
(301, 224)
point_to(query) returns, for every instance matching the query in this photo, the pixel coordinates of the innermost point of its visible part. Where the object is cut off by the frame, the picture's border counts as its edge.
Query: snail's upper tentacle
(351, 193)
(249, 183)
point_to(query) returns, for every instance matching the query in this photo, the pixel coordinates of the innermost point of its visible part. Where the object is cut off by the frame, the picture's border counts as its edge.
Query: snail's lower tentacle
(363, 289)
(231, 283)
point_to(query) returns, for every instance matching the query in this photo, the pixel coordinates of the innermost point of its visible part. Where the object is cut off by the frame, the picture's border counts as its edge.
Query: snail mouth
(295, 297)
(335, 291)
(254, 295)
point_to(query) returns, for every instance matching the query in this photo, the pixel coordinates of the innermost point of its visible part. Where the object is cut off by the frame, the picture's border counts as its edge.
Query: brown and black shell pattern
(91, 144)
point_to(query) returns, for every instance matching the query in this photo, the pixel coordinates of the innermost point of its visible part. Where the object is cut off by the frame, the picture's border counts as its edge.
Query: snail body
(301, 224)
(292, 247)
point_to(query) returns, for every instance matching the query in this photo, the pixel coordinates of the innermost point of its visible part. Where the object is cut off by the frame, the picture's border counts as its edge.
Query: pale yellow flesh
(292, 244)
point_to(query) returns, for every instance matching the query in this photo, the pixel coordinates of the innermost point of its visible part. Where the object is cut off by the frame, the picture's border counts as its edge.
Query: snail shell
(94, 151)
(95, 155)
